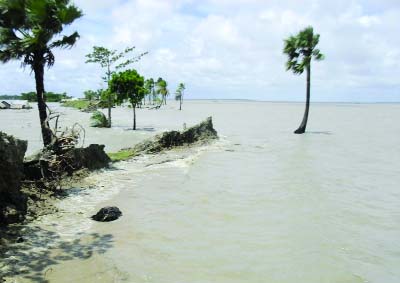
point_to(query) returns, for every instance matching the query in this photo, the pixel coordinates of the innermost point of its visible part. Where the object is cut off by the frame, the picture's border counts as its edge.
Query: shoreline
(42, 201)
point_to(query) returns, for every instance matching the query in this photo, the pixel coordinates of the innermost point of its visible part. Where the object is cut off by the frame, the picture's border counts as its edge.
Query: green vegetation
(107, 59)
(98, 120)
(49, 96)
(78, 104)
(179, 94)
(122, 155)
(128, 85)
(301, 49)
(107, 99)
(92, 95)
(29, 30)
(149, 86)
(32, 97)
(156, 91)
(162, 89)
(10, 97)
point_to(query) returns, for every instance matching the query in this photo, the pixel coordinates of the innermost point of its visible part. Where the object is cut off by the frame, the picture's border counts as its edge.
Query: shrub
(98, 120)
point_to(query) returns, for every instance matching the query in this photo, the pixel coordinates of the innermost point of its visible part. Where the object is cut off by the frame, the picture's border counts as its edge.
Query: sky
(232, 49)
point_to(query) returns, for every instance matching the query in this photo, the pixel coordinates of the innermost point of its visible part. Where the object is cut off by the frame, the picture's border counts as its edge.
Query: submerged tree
(162, 89)
(111, 60)
(301, 49)
(29, 30)
(128, 85)
(179, 94)
(149, 86)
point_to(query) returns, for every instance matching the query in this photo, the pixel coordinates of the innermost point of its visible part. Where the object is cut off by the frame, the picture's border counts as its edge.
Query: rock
(20, 240)
(202, 132)
(107, 214)
(12, 201)
(92, 157)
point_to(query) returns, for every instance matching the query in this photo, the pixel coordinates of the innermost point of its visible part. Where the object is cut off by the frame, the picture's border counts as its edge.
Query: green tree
(162, 89)
(111, 60)
(107, 97)
(55, 97)
(301, 49)
(149, 86)
(90, 95)
(128, 85)
(29, 30)
(179, 93)
(97, 94)
(30, 96)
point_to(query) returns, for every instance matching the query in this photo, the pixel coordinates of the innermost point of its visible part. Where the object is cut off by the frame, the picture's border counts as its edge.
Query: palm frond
(69, 14)
(300, 49)
(66, 41)
(27, 28)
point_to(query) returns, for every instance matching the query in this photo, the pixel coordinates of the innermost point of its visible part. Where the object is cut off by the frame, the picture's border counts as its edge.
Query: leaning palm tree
(301, 49)
(29, 30)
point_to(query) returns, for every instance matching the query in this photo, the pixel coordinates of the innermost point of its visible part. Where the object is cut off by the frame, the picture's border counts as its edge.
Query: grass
(78, 104)
(122, 155)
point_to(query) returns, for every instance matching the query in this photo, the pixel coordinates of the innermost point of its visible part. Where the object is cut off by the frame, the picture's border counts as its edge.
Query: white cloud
(368, 21)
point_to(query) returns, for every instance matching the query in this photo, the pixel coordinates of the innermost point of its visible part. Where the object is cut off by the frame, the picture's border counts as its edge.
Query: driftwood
(65, 155)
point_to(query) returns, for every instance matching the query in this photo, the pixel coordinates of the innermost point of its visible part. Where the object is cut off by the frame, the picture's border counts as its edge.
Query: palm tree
(162, 88)
(149, 87)
(179, 94)
(29, 30)
(301, 49)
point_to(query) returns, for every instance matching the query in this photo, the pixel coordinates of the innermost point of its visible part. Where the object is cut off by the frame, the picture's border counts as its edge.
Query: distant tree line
(10, 97)
(32, 97)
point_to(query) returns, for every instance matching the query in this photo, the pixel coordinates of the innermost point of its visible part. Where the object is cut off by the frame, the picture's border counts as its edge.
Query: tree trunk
(47, 134)
(180, 103)
(109, 96)
(303, 125)
(134, 116)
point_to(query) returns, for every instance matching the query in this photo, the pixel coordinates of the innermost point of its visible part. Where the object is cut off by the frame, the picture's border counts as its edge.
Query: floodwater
(259, 205)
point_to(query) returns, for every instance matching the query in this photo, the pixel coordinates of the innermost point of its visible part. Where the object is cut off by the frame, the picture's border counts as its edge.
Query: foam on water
(74, 213)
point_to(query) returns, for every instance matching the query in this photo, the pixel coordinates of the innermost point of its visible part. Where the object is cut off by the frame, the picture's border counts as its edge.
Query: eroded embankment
(198, 134)
(28, 186)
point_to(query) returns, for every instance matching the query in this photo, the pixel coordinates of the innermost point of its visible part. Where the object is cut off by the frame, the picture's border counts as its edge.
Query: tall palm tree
(301, 49)
(149, 87)
(29, 30)
(180, 93)
(162, 88)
